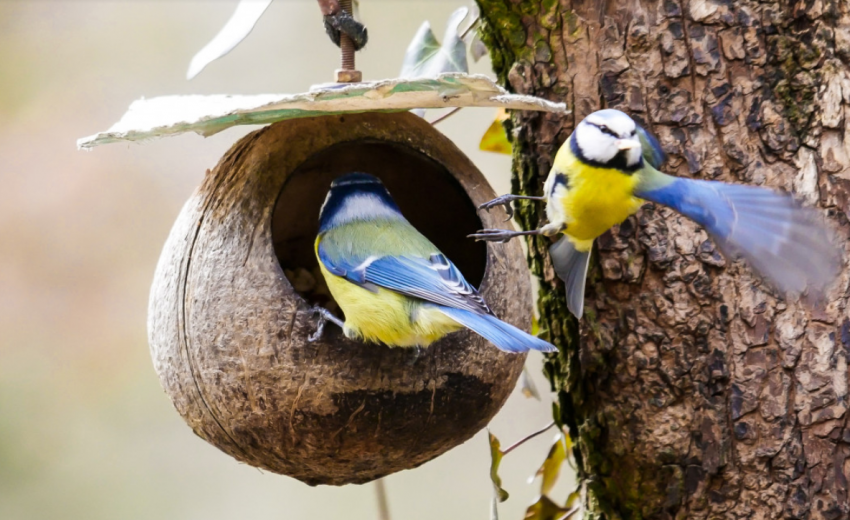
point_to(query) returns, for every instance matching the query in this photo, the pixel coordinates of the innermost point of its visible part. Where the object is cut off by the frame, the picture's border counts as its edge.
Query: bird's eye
(605, 130)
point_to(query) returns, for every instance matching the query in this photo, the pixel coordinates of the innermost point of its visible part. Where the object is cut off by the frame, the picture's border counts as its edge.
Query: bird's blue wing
(435, 280)
(651, 148)
(781, 240)
(334, 266)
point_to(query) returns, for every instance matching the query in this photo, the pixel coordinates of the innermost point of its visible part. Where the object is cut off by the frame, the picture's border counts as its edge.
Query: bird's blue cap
(356, 196)
(350, 179)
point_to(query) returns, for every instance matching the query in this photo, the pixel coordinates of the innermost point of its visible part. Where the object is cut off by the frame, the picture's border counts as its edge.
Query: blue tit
(394, 286)
(607, 169)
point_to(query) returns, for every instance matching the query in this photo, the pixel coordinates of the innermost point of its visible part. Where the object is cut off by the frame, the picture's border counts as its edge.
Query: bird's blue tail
(571, 266)
(781, 240)
(503, 335)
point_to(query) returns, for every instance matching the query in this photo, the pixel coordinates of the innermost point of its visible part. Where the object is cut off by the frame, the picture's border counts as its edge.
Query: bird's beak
(627, 144)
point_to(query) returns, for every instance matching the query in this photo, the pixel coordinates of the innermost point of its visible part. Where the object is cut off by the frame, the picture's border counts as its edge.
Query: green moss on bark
(794, 85)
(616, 488)
(506, 37)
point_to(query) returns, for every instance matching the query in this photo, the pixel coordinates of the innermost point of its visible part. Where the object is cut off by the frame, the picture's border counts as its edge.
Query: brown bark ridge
(694, 391)
(228, 331)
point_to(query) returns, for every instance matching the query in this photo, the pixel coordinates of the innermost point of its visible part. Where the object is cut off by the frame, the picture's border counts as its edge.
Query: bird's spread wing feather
(433, 279)
(783, 241)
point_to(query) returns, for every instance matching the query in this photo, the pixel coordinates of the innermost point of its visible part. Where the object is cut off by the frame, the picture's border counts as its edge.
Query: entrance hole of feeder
(427, 194)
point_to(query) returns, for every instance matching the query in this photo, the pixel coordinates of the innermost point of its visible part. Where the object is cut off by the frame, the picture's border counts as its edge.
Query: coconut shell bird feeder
(230, 305)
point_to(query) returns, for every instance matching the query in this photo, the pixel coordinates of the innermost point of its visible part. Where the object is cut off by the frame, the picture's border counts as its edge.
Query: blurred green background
(85, 430)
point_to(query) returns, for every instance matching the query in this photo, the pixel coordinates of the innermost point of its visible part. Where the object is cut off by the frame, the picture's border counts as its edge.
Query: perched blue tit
(394, 286)
(607, 169)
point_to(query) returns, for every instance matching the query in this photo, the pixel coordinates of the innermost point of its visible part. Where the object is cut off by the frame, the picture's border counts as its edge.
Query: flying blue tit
(607, 169)
(394, 286)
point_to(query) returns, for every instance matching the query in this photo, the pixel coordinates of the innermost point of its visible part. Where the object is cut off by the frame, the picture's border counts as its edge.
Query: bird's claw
(320, 330)
(417, 352)
(324, 317)
(494, 235)
(504, 200)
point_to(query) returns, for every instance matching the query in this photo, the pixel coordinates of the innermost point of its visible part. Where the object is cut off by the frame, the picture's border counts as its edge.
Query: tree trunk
(693, 390)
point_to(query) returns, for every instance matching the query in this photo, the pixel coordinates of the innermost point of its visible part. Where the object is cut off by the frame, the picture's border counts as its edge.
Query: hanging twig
(472, 24)
(447, 115)
(522, 441)
(383, 505)
(570, 513)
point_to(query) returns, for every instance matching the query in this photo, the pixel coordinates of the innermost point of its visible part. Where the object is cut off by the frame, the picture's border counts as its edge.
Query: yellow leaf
(495, 139)
(545, 509)
(551, 467)
(495, 460)
(572, 500)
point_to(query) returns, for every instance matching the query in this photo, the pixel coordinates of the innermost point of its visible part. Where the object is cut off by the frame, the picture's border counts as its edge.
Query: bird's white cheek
(595, 146)
(633, 156)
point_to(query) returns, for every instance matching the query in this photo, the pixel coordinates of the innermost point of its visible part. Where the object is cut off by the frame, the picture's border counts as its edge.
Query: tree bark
(692, 389)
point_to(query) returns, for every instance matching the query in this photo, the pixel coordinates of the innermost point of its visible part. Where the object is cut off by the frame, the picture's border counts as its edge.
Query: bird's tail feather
(571, 267)
(503, 335)
(784, 242)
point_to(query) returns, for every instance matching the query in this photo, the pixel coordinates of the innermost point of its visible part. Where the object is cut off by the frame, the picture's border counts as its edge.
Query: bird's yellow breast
(593, 200)
(386, 316)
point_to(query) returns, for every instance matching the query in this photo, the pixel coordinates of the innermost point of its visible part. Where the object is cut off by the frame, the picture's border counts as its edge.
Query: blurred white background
(85, 430)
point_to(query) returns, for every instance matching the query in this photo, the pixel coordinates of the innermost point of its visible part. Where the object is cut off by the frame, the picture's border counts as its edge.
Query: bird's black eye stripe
(604, 129)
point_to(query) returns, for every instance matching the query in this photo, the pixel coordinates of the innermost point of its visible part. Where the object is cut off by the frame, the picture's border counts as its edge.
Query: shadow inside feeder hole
(428, 195)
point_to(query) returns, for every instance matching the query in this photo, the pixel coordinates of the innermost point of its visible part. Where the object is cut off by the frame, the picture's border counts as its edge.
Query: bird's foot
(324, 317)
(505, 200)
(500, 235)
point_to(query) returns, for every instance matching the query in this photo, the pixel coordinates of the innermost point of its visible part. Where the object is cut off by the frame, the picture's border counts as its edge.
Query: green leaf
(545, 509)
(495, 139)
(495, 460)
(425, 57)
(527, 385)
(551, 467)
